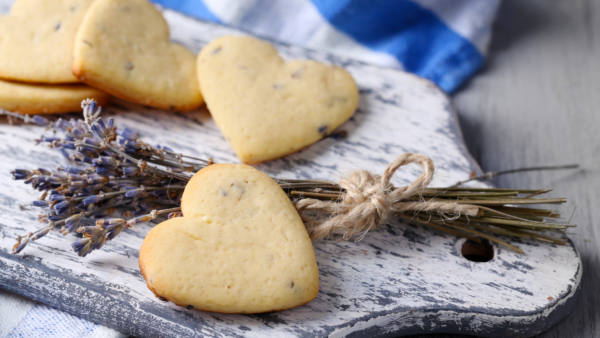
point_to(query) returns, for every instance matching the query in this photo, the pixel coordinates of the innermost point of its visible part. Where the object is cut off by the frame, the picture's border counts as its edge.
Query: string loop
(369, 199)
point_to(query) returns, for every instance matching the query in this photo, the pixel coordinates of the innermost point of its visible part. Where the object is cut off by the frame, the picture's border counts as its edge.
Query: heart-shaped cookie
(241, 246)
(47, 99)
(36, 40)
(123, 48)
(267, 108)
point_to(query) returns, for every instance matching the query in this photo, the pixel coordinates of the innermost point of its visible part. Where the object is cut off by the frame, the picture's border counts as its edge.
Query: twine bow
(369, 199)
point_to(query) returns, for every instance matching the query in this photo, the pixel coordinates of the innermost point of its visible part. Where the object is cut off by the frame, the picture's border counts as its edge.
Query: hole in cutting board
(477, 252)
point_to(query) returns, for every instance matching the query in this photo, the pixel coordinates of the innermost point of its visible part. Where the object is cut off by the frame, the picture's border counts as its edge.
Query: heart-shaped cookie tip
(267, 108)
(47, 99)
(36, 40)
(123, 48)
(241, 246)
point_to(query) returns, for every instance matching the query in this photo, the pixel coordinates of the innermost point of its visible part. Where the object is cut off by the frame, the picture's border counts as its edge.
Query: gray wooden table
(537, 102)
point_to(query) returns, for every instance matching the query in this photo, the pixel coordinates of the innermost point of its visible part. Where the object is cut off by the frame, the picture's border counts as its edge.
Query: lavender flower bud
(44, 172)
(62, 175)
(98, 243)
(127, 133)
(93, 199)
(73, 170)
(21, 174)
(39, 203)
(62, 207)
(57, 197)
(95, 179)
(62, 125)
(110, 124)
(131, 171)
(92, 106)
(72, 223)
(21, 244)
(135, 192)
(114, 232)
(52, 179)
(102, 171)
(82, 246)
(41, 233)
(64, 153)
(69, 145)
(50, 139)
(75, 177)
(78, 133)
(55, 218)
(81, 158)
(40, 121)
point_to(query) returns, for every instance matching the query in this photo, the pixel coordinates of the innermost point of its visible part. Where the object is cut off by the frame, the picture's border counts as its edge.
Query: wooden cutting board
(402, 279)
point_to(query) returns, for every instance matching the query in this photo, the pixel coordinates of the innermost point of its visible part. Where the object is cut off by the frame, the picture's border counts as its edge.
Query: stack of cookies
(36, 43)
(54, 54)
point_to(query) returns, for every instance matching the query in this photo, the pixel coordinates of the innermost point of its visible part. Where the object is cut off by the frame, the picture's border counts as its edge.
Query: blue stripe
(195, 8)
(415, 36)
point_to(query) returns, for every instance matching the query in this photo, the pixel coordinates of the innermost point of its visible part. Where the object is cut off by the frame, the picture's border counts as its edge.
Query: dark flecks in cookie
(128, 66)
(190, 307)
(278, 86)
(162, 299)
(216, 50)
(297, 74)
(323, 129)
(292, 285)
(73, 8)
(57, 27)
(87, 43)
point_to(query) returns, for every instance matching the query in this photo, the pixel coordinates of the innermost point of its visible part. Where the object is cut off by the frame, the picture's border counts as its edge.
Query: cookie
(241, 246)
(267, 108)
(123, 48)
(36, 40)
(47, 99)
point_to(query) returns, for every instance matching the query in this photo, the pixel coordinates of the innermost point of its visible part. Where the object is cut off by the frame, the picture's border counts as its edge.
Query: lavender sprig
(113, 172)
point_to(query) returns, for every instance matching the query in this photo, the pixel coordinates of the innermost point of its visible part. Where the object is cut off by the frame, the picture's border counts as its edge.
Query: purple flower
(82, 246)
(135, 192)
(102, 171)
(21, 174)
(39, 203)
(39, 120)
(93, 199)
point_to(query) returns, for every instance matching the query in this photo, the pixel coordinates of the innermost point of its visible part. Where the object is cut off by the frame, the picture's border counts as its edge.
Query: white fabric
(13, 308)
(301, 24)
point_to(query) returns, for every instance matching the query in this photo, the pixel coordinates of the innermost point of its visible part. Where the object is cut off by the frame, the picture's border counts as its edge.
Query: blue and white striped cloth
(442, 40)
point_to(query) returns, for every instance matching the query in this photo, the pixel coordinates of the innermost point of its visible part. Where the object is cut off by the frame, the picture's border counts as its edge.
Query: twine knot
(370, 198)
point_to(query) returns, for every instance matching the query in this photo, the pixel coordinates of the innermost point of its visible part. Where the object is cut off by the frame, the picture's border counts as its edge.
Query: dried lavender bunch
(113, 172)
